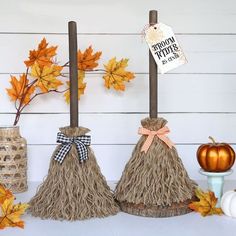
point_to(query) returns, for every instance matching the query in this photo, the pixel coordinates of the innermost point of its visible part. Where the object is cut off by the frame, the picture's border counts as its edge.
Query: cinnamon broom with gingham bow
(74, 188)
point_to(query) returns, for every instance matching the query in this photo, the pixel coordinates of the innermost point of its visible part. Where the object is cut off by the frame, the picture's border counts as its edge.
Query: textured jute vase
(155, 183)
(13, 159)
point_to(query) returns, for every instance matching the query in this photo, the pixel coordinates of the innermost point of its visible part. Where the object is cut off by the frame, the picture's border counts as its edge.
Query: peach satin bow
(161, 134)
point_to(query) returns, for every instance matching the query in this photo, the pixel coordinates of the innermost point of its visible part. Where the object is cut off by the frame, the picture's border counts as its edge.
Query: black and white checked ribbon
(81, 143)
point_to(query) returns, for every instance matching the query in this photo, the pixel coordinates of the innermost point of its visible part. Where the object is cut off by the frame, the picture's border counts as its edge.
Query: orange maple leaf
(87, 60)
(81, 86)
(116, 74)
(10, 214)
(4, 194)
(47, 77)
(206, 204)
(20, 90)
(43, 55)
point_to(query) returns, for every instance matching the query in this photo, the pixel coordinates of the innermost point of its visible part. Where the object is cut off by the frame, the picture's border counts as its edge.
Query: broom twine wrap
(13, 159)
(155, 179)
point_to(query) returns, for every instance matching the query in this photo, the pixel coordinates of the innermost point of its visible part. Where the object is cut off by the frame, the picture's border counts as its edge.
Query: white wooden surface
(124, 224)
(197, 99)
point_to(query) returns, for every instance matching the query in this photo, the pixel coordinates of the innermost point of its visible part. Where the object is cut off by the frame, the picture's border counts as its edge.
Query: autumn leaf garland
(87, 60)
(81, 86)
(20, 89)
(4, 194)
(206, 204)
(44, 75)
(9, 212)
(42, 56)
(116, 74)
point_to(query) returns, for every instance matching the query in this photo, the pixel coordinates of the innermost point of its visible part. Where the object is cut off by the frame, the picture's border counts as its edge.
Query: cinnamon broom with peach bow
(154, 182)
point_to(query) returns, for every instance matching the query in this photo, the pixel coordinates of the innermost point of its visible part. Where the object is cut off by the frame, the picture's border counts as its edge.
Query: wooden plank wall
(198, 99)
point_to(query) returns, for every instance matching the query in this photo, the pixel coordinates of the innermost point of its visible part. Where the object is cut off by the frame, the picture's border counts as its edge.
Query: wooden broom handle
(73, 69)
(153, 75)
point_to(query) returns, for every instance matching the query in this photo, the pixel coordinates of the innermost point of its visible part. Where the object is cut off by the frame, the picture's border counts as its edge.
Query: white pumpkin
(228, 203)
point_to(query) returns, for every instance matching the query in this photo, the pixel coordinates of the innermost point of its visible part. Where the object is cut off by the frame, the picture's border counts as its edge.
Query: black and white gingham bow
(81, 143)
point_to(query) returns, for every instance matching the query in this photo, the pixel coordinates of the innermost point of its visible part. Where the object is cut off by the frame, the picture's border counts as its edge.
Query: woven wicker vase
(13, 159)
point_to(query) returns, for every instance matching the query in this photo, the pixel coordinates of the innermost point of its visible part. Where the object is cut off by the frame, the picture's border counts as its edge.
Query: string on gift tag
(143, 32)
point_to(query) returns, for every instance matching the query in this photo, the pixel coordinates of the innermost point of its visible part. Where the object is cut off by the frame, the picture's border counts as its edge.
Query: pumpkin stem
(212, 139)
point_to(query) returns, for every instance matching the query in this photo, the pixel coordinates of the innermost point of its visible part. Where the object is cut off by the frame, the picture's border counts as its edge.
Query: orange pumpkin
(215, 157)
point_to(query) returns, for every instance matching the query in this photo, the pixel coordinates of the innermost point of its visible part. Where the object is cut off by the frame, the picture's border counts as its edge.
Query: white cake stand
(215, 181)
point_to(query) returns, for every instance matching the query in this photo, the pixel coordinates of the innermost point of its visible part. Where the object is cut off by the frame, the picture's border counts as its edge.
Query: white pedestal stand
(215, 181)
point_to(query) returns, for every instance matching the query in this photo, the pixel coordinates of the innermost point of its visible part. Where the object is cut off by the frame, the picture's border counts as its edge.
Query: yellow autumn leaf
(206, 204)
(116, 74)
(81, 86)
(47, 77)
(10, 214)
(4, 194)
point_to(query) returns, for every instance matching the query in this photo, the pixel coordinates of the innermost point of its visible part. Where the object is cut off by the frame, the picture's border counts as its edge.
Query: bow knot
(81, 143)
(161, 134)
(152, 132)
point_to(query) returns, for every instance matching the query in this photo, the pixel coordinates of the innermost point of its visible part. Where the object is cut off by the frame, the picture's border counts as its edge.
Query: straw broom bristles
(73, 190)
(157, 178)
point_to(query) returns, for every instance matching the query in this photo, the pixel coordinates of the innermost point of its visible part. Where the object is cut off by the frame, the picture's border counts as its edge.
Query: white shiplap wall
(198, 99)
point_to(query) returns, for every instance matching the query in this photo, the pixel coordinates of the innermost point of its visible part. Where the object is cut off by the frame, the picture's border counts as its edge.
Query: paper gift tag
(164, 47)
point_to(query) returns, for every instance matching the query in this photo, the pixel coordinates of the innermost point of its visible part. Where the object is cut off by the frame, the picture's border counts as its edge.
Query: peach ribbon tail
(161, 134)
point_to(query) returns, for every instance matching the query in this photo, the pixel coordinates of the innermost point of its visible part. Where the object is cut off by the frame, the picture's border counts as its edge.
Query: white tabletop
(124, 224)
